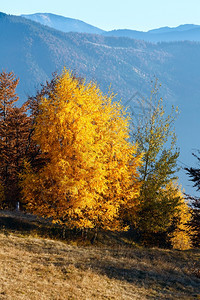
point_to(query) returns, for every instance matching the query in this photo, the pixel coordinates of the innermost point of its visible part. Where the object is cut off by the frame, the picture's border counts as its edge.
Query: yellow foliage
(181, 236)
(181, 240)
(92, 167)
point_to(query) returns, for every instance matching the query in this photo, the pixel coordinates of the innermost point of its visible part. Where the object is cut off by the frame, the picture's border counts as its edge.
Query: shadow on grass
(149, 277)
(23, 223)
(169, 274)
(166, 272)
(167, 284)
(12, 221)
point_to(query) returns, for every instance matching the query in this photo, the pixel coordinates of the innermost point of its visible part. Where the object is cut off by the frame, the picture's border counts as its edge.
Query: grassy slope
(39, 268)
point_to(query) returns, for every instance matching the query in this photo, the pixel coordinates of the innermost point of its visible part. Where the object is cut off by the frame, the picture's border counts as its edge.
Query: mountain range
(63, 24)
(33, 51)
(184, 32)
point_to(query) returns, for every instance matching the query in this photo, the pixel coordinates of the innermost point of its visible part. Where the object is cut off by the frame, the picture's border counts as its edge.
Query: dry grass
(39, 268)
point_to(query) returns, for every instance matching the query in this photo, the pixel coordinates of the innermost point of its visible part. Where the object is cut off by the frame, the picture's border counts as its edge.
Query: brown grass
(38, 268)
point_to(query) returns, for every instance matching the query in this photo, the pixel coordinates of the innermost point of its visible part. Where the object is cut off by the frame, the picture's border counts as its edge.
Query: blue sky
(114, 14)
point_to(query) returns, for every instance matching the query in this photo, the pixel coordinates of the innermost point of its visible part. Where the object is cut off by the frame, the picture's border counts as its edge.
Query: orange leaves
(14, 132)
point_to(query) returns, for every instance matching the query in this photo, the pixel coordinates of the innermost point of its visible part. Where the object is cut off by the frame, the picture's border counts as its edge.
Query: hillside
(34, 267)
(34, 51)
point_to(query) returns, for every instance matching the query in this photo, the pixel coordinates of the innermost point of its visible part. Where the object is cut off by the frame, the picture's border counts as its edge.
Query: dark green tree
(194, 174)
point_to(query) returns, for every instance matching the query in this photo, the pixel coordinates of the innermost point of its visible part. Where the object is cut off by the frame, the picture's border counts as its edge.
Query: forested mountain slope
(34, 51)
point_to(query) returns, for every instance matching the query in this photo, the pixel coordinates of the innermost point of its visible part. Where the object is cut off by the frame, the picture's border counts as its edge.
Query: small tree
(156, 139)
(89, 169)
(8, 97)
(14, 131)
(19, 125)
(195, 221)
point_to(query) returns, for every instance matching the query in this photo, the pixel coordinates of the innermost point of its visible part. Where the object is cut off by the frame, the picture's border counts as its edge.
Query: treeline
(72, 154)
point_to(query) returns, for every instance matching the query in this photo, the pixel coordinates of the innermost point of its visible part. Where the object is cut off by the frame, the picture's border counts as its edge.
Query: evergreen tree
(156, 139)
(194, 174)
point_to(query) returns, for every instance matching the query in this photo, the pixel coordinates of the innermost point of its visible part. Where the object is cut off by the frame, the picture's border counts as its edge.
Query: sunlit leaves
(91, 168)
(181, 237)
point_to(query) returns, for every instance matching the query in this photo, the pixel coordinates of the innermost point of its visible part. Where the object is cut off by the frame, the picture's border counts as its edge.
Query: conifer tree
(194, 174)
(19, 125)
(14, 128)
(8, 97)
(156, 139)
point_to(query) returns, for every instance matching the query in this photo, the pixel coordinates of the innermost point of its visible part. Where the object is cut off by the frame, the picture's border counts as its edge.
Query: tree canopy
(90, 169)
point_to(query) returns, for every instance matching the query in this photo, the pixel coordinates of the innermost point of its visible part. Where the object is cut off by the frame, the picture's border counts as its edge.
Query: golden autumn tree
(89, 169)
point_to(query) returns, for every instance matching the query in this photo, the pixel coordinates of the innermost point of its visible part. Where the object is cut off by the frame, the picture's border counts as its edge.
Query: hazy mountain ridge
(63, 23)
(159, 35)
(35, 50)
(184, 32)
(165, 29)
